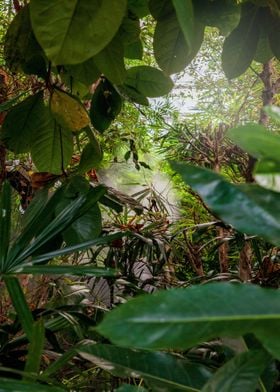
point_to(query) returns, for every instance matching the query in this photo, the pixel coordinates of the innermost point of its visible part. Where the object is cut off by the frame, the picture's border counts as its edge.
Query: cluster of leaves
(81, 47)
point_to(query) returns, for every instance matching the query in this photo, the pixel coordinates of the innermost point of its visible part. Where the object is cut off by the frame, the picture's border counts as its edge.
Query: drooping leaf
(68, 111)
(240, 46)
(72, 32)
(91, 157)
(149, 81)
(52, 147)
(185, 15)
(223, 14)
(134, 50)
(139, 8)
(156, 367)
(132, 94)
(106, 104)
(240, 373)
(23, 122)
(22, 51)
(179, 319)
(86, 73)
(161, 9)
(256, 140)
(263, 52)
(110, 61)
(274, 36)
(170, 47)
(130, 30)
(248, 208)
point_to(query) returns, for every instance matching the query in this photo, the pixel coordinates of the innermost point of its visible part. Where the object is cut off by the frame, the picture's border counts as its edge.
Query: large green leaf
(182, 318)
(132, 94)
(223, 14)
(149, 81)
(106, 104)
(91, 157)
(130, 388)
(22, 51)
(23, 122)
(52, 146)
(257, 141)
(110, 61)
(71, 32)
(11, 385)
(185, 15)
(274, 36)
(68, 111)
(161, 9)
(139, 7)
(170, 47)
(86, 73)
(171, 372)
(248, 208)
(240, 46)
(240, 373)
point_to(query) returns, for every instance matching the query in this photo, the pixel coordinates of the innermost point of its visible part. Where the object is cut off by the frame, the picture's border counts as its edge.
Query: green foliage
(66, 47)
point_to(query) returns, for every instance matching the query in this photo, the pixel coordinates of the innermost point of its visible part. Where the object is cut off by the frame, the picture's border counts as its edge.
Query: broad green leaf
(240, 46)
(68, 111)
(240, 373)
(19, 303)
(85, 228)
(38, 202)
(86, 73)
(106, 104)
(223, 14)
(263, 52)
(129, 30)
(182, 318)
(161, 9)
(110, 61)
(149, 81)
(22, 122)
(274, 36)
(273, 112)
(11, 385)
(256, 140)
(5, 222)
(139, 7)
(22, 51)
(11, 102)
(52, 147)
(156, 367)
(185, 15)
(35, 348)
(79, 270)
(91, 157)
(71, 32)
(267, 174)
(197, 42)
(248, 208)
(133, 95)
(134, 50)
(170, 47)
